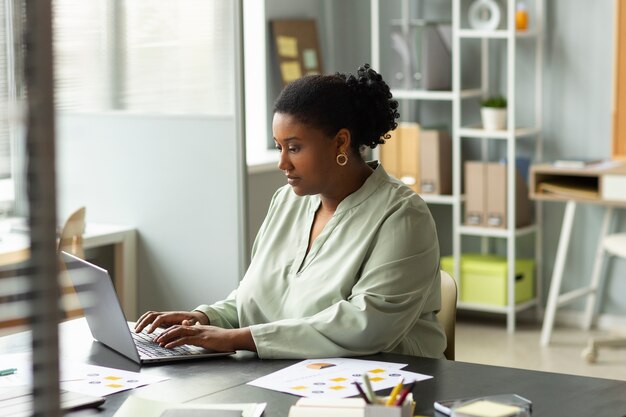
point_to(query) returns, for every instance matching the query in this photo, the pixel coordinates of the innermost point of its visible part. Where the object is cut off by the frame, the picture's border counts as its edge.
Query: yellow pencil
(395, 392)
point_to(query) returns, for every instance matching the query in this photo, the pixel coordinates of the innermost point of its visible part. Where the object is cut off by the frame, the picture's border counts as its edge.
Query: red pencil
(404, 394)
(362, 393)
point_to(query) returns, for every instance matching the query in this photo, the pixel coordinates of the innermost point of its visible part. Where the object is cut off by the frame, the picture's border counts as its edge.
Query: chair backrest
(71, 238)
(447, 314)
(71, 241)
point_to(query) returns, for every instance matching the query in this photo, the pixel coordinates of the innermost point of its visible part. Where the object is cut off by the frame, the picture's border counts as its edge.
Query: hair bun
(377, 111)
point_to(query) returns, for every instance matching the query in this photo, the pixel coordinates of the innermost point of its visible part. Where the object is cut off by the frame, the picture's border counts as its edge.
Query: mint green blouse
(370, 282)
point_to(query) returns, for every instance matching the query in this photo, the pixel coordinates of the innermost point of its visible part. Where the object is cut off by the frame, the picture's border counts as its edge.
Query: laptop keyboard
(148, 348)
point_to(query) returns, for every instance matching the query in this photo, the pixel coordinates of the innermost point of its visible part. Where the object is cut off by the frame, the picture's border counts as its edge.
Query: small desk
(14, 248)
(223, 380)
(593, 189)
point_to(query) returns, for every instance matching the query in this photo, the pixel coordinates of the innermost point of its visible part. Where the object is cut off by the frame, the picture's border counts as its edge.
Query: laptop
(108, 324)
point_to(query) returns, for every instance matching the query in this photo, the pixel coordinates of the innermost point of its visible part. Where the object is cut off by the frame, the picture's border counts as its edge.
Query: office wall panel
(176, 180)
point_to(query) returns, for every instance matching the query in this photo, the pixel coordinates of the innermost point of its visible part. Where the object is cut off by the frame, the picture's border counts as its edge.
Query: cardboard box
(400, 154)
(475, 204)
(484, 279)
(496, 197)
(435, 162)
(486, 196)
(390, 154)
(409, 155)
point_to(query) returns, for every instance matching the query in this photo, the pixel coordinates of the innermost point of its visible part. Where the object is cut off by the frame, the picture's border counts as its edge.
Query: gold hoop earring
(342, 159)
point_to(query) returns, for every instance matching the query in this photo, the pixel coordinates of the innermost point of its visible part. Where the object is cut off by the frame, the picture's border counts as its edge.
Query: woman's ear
(343, 140)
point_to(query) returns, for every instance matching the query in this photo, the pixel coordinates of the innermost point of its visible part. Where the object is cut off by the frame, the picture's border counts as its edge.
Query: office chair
(614, 245)
(447, 314)
(71, 241)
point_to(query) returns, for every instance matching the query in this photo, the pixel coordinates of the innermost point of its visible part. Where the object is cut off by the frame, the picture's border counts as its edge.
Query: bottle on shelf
(521, 16)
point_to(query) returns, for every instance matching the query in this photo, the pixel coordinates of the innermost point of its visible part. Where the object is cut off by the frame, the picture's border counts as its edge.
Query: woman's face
(307, 155)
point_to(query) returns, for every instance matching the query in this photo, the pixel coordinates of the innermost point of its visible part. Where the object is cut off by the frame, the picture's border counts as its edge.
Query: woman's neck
(350, 178)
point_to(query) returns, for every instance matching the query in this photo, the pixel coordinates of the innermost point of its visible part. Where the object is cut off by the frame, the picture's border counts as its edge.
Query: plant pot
(493, 118)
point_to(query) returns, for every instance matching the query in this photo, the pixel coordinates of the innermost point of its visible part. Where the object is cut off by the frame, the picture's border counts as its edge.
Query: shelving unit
(458, 95)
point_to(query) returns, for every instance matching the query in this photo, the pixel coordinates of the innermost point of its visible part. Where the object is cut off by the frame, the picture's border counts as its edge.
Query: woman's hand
(157, 319)
(208, 337)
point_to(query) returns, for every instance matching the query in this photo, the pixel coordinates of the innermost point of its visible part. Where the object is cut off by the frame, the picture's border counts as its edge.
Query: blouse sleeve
(399, 277)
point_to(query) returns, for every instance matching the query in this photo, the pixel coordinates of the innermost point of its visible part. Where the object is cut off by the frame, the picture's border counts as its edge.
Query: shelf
(495, 34)
(495, 309)
(477, 132)
(438, 199)
(433, 95)
(493, 232)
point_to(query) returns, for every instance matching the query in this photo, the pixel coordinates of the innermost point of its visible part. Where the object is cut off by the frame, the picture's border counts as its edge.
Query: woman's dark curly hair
(362, 104)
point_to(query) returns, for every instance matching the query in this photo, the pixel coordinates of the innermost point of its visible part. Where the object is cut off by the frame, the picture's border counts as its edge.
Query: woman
(347, 261)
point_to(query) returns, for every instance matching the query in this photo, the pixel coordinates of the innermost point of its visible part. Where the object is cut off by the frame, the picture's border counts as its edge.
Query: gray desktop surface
(224, 379)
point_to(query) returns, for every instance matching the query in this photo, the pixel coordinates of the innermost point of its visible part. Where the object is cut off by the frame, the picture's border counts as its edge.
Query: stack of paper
(334, 377)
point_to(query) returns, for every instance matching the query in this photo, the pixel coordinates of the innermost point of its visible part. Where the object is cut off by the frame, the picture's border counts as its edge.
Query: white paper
(136, 406)
(334, 377)
(78, 377)
(23, 375)
(102, 381)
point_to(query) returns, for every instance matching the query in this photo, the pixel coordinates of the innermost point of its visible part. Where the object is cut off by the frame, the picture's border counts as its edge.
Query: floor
(522, 350)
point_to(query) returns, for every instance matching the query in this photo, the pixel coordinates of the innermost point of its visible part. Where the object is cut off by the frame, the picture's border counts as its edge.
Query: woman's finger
(144, 320)
(184, 340)
(171, 333)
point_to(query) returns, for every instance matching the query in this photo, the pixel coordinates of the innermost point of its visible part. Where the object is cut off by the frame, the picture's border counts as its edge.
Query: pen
(395, 392)
(405, 393)
(9, 371)
(368, 389)
(362, 393)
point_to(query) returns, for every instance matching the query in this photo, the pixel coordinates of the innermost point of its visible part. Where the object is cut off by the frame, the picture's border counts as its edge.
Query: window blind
(146, 56)
(81, 49)
(5, 139)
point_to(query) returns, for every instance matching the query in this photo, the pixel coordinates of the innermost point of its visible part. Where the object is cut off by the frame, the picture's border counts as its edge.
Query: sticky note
(290, 71)
(486, 408)
(287, 46)
(309, 59)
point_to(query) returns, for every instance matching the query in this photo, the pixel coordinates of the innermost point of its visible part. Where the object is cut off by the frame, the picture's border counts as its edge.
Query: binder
(390, 153)
(475, 202)
(496, 197)
(400, 154)
(409, 155)
(435, 162)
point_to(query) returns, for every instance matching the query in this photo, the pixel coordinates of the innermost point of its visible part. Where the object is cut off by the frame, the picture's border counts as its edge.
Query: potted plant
(493, 113)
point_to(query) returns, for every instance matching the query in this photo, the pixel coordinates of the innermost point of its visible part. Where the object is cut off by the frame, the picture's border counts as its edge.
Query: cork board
(297, 48)
(619, 107)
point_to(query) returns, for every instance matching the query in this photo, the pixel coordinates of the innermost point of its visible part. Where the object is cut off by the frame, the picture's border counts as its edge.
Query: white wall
(577, 122)
(176, 180)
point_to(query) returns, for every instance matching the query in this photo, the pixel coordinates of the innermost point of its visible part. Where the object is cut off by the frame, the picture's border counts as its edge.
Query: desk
(14, 248)
(595, 188)
(224, 380)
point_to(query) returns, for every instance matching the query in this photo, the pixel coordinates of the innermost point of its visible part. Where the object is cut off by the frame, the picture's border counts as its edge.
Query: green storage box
(484, 278)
